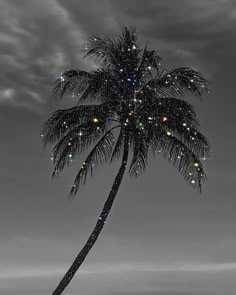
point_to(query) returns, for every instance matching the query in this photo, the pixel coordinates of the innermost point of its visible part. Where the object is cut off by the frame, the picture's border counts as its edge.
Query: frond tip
(71, 81)
(181, 81)
(183, 158)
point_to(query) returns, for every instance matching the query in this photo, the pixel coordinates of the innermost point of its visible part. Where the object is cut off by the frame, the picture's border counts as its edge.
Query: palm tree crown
(131, 94)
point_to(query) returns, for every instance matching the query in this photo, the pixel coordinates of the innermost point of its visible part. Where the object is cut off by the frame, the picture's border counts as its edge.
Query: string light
(95, 120)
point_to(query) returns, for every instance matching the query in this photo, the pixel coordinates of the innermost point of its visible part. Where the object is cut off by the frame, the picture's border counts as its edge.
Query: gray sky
(161, 236)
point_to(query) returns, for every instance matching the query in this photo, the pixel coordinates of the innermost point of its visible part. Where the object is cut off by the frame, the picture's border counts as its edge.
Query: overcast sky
(161, 237)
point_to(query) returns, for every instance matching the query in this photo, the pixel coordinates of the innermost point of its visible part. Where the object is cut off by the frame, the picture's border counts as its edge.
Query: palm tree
(133, 108)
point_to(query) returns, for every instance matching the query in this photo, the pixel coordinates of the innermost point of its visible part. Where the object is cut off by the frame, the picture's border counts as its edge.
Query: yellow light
(168, 133)
(95, 120)
(196, 164)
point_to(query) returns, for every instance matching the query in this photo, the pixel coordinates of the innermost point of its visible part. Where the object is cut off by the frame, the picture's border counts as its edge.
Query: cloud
(7, 94)
(37, 41)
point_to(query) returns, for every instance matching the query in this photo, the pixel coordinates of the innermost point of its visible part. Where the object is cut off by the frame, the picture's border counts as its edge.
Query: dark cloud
(38, 41)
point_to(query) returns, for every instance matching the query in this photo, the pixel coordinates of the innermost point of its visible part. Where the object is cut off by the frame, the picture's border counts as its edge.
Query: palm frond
(177, 117)
(62, 121)
(182, 157)
(71, 81)
(110, 51)
(171, 108)
(99, 154)
(150, 61)
(99, 87)
(192, 138)
(101, 48)
(73, 143)
(180, 81)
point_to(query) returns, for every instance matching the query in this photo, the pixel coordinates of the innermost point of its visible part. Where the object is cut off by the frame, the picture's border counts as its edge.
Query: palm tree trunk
(99, 225)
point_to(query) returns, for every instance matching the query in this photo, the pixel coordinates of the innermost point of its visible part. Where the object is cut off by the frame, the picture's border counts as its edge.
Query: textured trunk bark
(99, 225)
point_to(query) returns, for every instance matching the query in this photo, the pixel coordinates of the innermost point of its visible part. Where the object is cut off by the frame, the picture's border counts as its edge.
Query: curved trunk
(99, 225)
